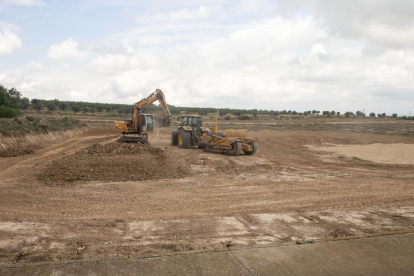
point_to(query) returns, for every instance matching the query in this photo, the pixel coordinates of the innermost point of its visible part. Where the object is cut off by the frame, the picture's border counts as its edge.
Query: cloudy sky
(266, 54)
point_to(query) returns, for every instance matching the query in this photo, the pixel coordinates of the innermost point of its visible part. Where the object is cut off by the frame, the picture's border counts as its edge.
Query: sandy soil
(285, 192)
(379, 153)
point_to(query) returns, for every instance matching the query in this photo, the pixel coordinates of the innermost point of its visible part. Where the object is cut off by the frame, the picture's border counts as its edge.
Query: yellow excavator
(137, 129)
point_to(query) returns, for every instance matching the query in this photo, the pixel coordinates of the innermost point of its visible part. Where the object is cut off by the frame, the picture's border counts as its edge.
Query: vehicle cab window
(142, 117)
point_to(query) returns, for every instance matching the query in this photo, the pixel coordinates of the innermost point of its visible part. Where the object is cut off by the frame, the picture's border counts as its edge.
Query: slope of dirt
(114, 162)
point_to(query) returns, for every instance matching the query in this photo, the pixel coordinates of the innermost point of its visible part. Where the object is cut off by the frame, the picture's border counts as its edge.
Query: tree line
(12, 101)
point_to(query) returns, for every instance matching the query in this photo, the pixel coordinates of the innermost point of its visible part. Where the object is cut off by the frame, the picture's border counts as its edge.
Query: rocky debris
(114, 162)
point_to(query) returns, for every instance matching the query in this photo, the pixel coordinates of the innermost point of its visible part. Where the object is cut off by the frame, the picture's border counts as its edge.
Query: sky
(264, 54)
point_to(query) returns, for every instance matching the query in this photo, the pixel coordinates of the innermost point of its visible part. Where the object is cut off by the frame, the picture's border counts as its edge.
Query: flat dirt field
(88, 196)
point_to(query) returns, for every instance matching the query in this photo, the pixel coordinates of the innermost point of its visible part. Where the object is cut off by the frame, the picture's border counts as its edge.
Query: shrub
(244, 117)
(7, 112)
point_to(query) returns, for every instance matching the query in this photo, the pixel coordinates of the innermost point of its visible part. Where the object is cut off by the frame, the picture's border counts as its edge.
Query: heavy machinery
(233, 142)
(137, 129)
(190, 132)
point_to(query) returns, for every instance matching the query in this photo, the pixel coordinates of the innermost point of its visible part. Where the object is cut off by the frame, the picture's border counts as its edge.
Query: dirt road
(285, 192)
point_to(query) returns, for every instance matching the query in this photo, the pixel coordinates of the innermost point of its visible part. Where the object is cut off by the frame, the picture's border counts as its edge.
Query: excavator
(137, 129)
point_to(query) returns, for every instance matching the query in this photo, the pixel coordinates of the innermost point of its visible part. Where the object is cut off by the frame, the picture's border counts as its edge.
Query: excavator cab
(146, 125)
(146, 122)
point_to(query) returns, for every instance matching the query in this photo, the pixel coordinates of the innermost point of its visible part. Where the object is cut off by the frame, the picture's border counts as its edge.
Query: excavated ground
(114, 161)
(91, 197)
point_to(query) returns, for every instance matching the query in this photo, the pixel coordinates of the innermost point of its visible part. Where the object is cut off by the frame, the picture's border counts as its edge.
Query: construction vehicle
(137, 129)
(190, 132)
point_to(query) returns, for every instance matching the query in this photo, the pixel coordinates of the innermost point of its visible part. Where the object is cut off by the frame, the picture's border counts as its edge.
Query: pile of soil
(114, 162)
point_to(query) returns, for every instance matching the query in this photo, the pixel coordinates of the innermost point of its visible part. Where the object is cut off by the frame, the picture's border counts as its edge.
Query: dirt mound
(114, 162)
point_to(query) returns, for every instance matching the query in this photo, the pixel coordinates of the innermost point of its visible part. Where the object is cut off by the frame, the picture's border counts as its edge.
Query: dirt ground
(90, 197)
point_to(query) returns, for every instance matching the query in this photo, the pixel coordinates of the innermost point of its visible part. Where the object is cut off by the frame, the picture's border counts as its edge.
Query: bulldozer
(137, 129)
(190, 132)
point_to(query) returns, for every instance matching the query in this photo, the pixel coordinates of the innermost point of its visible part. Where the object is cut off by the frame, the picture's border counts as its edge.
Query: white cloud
(24, 2)
(35, 66)
(383, 22)
(112, 64)
(184, 14)
(68, 49)
(12, 27)
(311, 55)
(9, 42)
(247, 6)
(318, 49)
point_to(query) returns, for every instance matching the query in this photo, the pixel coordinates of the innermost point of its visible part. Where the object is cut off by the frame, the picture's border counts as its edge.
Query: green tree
(51, 106)
(25, 102)
(13, 98)
(75, 108)
(3, 95)
(39, 106)
(7, 112)
(360, 114)
(35, 101)
(63, 106)
(255, 112)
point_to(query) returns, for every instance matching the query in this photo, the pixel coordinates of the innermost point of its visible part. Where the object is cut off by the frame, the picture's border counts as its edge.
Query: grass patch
(359, 159)
(305, 242)
(19, 127)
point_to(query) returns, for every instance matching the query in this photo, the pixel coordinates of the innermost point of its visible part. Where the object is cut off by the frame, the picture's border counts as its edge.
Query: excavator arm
(157, 95)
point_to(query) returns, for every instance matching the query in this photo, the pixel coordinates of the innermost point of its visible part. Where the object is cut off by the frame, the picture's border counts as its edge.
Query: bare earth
(73, 199)
(378, 153)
